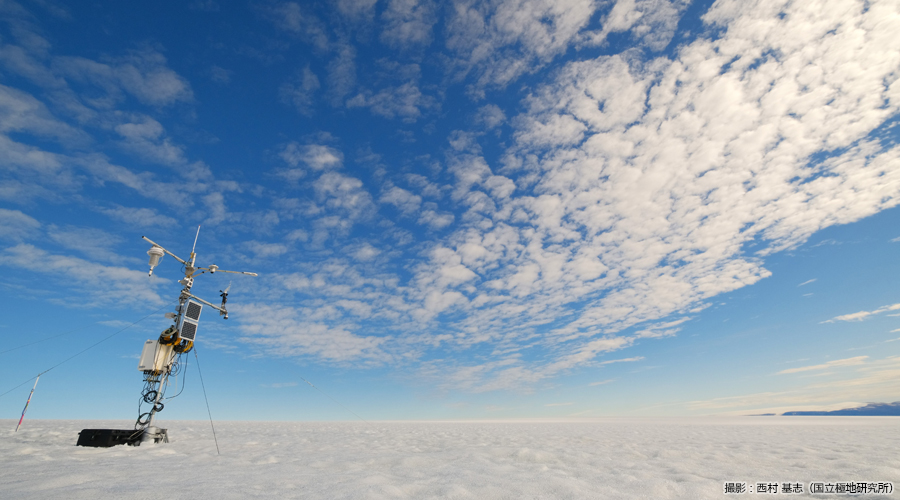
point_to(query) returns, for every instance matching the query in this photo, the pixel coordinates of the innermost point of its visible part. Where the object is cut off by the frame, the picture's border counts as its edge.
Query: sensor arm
(217, 308)
(215, 269)
(236, 272)
(179, 259)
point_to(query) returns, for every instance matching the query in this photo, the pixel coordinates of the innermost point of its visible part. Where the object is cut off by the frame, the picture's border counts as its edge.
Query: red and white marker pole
(26, 403)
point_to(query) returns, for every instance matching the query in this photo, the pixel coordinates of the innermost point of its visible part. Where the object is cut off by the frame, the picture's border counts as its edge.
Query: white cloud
(314, 156)
(660, 330)
(342, 73)
(501, 40)
(33, 172)
(91, 242)
(95, 284)
(861, 315)
(405, 201)
(470, 171)
(220, 75)
(877, 380)
(15, 225)
(345, 194)
(366, 252)
(215, 207)
(146, 137)
(651, 22)
(301, 91)
(21, 112)
(624, 360)
(143, 74)
(265, 250)
(408, 23)
(359, 11)
(425, 187)
(143, 217)
(435, 219)
(297, 235)
(35, 165)
(858, 360)
(405, 101)
(89, 93)
(288, 331)
(490, 115)
(665, 171)
(639, 186)
(293, 18)
(143, 183)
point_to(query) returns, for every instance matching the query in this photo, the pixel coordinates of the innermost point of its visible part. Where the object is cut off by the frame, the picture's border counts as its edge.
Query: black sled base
(105, 438)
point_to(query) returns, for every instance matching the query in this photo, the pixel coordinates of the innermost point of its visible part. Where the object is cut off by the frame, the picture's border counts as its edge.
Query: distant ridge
(871, 409)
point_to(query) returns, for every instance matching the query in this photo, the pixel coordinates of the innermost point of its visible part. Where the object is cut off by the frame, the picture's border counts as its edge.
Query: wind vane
(161, 358)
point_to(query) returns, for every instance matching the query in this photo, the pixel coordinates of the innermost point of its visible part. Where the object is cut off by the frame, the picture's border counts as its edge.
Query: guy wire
(48, 338)
(85, 350)
(335, 400)
(207, 401)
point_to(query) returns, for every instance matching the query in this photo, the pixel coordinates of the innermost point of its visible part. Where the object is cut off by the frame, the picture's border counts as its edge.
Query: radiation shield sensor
(156, 253)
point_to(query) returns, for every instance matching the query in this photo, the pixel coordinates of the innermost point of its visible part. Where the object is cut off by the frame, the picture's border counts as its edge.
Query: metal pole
(151, 432)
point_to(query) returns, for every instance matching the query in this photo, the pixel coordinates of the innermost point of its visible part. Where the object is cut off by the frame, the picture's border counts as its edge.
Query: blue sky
(465, 209)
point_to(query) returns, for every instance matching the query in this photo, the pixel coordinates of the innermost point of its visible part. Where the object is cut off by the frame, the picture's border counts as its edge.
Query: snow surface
(657, 458)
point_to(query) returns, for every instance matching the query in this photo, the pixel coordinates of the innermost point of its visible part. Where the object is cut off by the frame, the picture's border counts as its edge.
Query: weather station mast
(161, 358)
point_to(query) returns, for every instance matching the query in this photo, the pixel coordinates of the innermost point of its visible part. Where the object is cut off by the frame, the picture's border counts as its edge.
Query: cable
(183, 378)
(23, 383)
(207, 401)
(85, 350)
(48, 338)
(148, 395)
(335, 400)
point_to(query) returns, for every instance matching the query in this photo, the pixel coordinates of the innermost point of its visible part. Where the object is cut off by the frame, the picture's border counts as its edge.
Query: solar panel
(189, 320)
(193, 310)
(189, 331)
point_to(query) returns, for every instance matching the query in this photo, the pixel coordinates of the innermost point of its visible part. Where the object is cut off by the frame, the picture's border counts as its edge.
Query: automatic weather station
(162, 358)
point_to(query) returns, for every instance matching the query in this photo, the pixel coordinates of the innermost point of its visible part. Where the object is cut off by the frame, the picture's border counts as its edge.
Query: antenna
(195, 240)
(161, 358)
